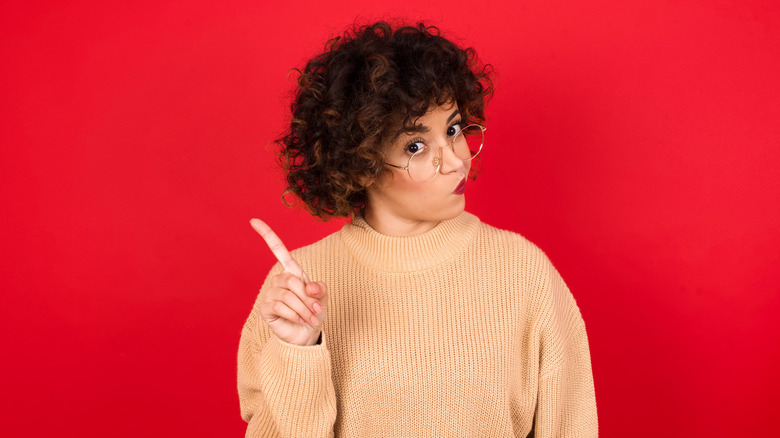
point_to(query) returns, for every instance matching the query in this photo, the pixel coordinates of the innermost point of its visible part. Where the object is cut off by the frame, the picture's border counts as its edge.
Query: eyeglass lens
(466, 145)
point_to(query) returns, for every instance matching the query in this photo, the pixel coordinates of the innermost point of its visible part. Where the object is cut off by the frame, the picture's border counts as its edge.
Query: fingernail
(316, 306)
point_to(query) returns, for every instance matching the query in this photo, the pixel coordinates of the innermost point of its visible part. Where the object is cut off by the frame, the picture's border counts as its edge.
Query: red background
(635, 142)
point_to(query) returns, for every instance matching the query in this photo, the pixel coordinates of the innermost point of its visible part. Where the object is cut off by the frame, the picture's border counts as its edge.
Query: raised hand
(293, 307)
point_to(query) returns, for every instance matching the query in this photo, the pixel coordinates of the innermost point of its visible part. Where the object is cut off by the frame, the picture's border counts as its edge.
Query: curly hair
(349, 99)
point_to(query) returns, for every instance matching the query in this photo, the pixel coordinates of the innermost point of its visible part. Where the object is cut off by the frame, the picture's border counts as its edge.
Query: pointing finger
(277, 247)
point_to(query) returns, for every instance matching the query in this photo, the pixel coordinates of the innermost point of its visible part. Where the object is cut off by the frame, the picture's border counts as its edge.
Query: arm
(284, 389)
(566, 404)
(284, 371)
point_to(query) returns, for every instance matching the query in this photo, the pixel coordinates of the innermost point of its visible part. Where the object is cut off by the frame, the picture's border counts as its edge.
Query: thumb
(317, 289)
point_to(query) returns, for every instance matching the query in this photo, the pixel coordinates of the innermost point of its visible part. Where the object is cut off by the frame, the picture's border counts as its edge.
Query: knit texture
(463, 331)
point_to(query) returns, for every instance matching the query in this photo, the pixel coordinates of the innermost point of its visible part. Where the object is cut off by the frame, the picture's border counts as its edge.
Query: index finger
(277, 247)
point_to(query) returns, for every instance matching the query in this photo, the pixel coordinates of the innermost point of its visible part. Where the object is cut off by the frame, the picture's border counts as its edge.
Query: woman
(418, 320)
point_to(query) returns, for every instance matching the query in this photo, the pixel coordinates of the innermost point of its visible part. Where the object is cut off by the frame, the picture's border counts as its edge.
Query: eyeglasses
(425, 161)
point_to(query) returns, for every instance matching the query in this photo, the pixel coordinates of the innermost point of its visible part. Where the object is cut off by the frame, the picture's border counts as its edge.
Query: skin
(399, 206)
(294, 307)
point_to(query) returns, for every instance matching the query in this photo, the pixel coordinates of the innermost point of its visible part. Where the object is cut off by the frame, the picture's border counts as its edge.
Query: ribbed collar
(408, 253)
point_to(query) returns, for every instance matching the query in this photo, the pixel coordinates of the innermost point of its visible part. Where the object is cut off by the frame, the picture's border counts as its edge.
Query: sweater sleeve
(566, 404)
(284, 390)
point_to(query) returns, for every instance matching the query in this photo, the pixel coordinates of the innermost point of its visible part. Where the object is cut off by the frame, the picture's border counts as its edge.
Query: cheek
(400, 184)
(412, 193)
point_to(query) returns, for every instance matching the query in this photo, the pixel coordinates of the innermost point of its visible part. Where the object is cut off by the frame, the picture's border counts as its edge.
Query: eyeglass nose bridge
(439, 158)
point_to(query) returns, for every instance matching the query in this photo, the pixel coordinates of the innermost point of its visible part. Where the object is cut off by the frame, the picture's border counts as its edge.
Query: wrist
(316, 339)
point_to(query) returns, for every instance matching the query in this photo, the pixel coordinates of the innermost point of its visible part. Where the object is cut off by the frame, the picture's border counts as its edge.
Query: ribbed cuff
(302, 357)
(298, 387)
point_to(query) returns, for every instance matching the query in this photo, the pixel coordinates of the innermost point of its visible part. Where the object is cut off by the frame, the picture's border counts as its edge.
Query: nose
(449, 161)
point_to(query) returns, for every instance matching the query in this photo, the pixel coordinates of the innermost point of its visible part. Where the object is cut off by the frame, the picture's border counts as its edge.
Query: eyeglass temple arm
(398, 167)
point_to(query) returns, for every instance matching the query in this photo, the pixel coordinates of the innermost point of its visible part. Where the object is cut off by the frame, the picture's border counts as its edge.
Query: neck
(390, 225)
(408, 253)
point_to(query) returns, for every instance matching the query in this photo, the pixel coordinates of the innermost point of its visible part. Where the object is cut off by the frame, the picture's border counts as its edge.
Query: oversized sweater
(462, 331)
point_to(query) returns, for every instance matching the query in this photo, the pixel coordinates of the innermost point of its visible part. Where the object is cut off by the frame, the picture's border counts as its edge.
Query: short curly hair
(365, 86)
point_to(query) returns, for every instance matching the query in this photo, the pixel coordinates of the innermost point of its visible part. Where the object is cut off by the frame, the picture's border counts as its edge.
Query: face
(398, 205)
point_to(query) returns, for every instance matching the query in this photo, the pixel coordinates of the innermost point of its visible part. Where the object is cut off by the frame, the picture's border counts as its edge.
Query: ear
(366, 181)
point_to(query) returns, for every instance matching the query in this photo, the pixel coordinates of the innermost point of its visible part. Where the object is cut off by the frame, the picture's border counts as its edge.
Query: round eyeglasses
(425, 161)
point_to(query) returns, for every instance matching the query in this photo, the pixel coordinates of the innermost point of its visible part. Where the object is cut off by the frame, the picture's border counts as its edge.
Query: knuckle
(269, 294)
(289, 296)
(265, 309)
(278, 279)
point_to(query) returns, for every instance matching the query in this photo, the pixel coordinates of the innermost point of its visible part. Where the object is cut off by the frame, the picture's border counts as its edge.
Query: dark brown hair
(349, 99)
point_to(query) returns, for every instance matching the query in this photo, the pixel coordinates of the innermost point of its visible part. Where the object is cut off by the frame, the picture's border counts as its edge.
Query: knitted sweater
(464, 330)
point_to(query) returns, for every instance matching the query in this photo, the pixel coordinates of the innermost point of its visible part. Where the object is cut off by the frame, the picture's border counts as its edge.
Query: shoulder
(524, 264)
(318, 248)
(509, 246)
(320, 258)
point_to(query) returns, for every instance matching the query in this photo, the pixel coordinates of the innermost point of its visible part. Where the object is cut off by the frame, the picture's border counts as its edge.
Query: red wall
(636, 142)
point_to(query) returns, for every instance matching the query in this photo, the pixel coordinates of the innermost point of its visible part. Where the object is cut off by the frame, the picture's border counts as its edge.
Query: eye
(454, 130)
(415, 147)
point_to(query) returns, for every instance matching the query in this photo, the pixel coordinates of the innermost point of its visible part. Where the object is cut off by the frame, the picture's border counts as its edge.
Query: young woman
(416, 319)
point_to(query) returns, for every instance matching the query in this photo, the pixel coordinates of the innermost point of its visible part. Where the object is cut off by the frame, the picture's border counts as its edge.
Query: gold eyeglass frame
(437, 159)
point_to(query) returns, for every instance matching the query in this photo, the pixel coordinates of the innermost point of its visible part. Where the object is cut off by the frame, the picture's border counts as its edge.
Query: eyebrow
(422, 128)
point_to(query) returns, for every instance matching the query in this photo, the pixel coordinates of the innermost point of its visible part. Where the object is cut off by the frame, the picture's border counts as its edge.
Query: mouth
(461, 188)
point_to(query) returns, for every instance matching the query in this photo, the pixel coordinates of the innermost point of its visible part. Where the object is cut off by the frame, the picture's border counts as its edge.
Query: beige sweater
(465, 330)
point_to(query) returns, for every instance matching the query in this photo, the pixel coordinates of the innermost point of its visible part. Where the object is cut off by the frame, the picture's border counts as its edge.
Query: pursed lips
(461, 188)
